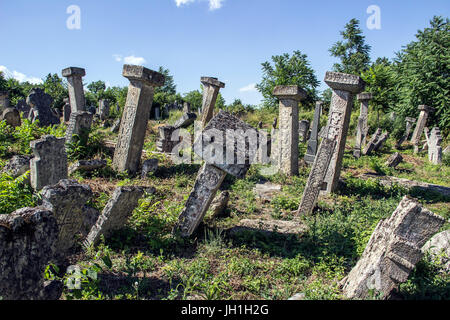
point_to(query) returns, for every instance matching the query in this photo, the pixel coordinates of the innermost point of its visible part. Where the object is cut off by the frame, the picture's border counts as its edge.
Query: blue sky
(227, 39)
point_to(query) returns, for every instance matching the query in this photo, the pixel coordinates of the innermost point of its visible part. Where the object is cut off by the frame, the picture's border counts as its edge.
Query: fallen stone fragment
(219, 204)
(394, 160)
(12, 117)
(269, 226)
(27, 244)
(185, 121)
(439, 247)
(87, 165)
(17, 165)
(149, 166)
(298, 296)
(266, 191)
(392, 251)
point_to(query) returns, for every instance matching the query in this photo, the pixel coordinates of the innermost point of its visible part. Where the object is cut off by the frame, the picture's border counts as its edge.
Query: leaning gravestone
(12, 117)
(394, 160)
(344, 87)
(363, 127)
(421, 123)
(27, 244)
(392, 251)
(380, 142)
(79, 124)
(313, 141)
(74, 77)
(135, 116)
(409, 124)
(185, 121)
(40, 102)
(67, 200)
(165, 143)
(66, 110)
(223, 154)
(49, 164)
(211, 87)
(372, 143)
(103, 108)
(303, 130)
(434, 146)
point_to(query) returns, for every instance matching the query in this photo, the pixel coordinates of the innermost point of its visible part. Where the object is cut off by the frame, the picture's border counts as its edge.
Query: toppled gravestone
(17, 166)
(392, 251)
(380, 142)
(12, 117)
(219, 204)
(87, 165)
(266, 191)
(40, 103)
(268, 227)
(372, 143)
(79, 124)
(394, 160)
(116, 212)
(67, 200)
(27, 243)
(439, 247)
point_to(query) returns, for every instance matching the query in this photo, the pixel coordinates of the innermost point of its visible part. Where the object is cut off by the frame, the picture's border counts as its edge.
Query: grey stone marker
(40, 102)
(303, 130)
(434, 146)
(344, 87)
(103, 108)
(362, 128)
(74, 77)
(12, 117)
(22, 106)
(211, 87)
(116, 125)
(87, 165)
(157, 113)
(67, 200)
(27, 238)
(421, 123)
(394, 160)
(17, 165)
(380, 142)
(149, 166)
(4, 100)
(165, 143)
(135, 116)
(316, 176)
(185, 121)
(372, 143)
(392, 251)
(409, 123)
(66, 110)
(213, 172)
(186, 107)
(287, 151)
(49, 164)
(79, 124)
(116, 212)
(313, 141)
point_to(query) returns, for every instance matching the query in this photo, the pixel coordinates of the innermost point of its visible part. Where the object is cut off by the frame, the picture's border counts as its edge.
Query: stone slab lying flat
(266, 191)
(269, 226)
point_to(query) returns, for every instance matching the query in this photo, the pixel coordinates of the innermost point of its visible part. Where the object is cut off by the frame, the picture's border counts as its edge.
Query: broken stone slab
(392, 251)
(17, 165)
(127, 155)
(49, 164)
(298, 296)
(12, 117)
(167, 139)
(372, 143)
(116, 212)
(266, 191)
(79, 124)
(313, 141)
(219, 205)
(439, 247)
(40, 103)
(421, 123)
(394, 160)
(74, 77)
(211, 87)
(149, 166)
(87, 165)
(316, 177)
(269, 226)
(185, 121)
(67, 200)
(27, 238)
(380, 142)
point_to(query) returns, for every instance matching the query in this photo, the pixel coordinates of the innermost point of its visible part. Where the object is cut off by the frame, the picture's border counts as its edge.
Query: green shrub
(15, 193)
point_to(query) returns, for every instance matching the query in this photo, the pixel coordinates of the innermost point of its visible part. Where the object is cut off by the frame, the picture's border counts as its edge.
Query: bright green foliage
(15, 193)
(57, 88)
(194, 98)
(352, 52)
(288, 70)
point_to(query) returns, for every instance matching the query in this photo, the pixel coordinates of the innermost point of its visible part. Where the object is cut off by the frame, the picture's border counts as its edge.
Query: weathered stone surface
(394, 160)
(12, 117)
(313, 141)
(186, 107)
(27, 238)
(135, 116)
(363, 96)
(269, 226)
(40, 102)
(344, 86)
(103, 108)
(266, 191)
(167, 140)
(303, 130)
(380, 142)
(185, 121)
(116, 212)
(67, 200)
(74, 77)
(392, 251)
(372, 143)
(87, 165)
(434, 146)
(362, 128)
(205, 188)
(149, 166)
(439, 247)
(17, 165)
(421, 123)
(116, 126)
(316, 176)
(90, 217)
(49, 164)
(4, 100)
(274, 123)
(219, 204)
(288, 139)
(211, 87)
(22, 106)
(409, 123)
(66, 110)
(79, 124)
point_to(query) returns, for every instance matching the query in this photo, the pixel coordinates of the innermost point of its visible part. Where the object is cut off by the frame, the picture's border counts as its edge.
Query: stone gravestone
(135, 116)
(421, 123)
(157, 113)
(74, 77)
(392, 251)
(287, 150)
(344, 86)
(12, 117)
(22, 106)
(17, 165)
(380, 142)
(372, 143)
(165, 143)
(313, 141)
(4, 100)
(211, 87)
(27, 244)
(394, 160)
(49, 164)
(316, 176)
(103, 108)
(303, 130)
(67, 200)
(223, 154)
(66, 110)
(186, 107)
(79, 124)
(40, 102)
(409, 123)
(362, 127)
(116, 212)
(434, 146)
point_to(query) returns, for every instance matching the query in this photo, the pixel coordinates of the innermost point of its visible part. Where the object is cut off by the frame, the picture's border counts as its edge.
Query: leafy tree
(169, 86)
(220, 102)
(57, 88)
(423, 73)
(195, 99)
(288, 70)
(352, 52)
(3, 82)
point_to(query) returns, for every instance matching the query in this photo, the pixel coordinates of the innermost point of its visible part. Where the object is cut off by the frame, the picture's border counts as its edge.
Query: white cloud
(20, 76)
(213, 4)
(134, 60)
(117, 57)
(182, 2)
(250, 88)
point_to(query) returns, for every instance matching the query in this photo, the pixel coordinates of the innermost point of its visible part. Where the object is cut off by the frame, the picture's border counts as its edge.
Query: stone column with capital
(74, 77)
(135, 116)
(362, 128)
(344, 87)
(288, 137)
(211, 87)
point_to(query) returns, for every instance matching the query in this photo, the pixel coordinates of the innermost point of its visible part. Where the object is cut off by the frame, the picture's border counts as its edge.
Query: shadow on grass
(174, 170)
